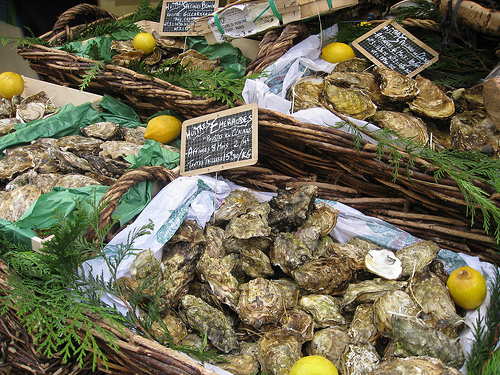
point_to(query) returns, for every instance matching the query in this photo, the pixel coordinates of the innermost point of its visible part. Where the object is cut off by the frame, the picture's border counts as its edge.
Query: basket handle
(130, 178)
(87, 12)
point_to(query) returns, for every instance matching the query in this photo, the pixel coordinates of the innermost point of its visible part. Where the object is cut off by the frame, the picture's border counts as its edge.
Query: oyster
(46, 181)
(255, 262)
(306, 93)
(474, 131)
(415, 257)
(354, 253)
(252, 224)
(362, 328)
(368, 291)
(145, 266)
(278, 351)
(176, 329)
(349, 101)
(325, 309)
(133, 135)
(289, 290)
(179, 259)
(73, 181)
(291, 207)
(363, 81)
(299, 323)
(243, 362)
(127, 286)
(325, 275)
(238, 202)
(119, 149)
(413, 365)
(359, 359)
(192, 59)
(209, 321)
(418, 338)
(16, 202)
(26, 178)
(107, 166)
(68, 162)
(394, 85)
(389, 304)
(215, 237)
(383, 263)
(6, 110)
(79, 145)
(406, 125)
(8, 125)
(431, 101)
(34, 107)
(104, 130)
(15, 162)
(261, 303)
(323, 217)
(329, 342)
(354, 64)
(288, 252)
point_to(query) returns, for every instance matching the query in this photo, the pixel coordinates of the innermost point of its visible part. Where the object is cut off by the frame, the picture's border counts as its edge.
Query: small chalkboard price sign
(221, 140)
(391, 45)
(177, 17)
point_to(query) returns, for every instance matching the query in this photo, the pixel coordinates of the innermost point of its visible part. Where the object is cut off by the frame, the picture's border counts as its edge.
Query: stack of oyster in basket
(266, 283)
(413, 107)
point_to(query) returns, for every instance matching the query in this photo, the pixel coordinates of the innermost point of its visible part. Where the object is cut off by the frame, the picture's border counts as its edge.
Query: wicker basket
(145, 94)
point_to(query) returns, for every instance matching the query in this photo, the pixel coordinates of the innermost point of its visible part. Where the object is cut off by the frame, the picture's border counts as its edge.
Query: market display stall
(177, 255)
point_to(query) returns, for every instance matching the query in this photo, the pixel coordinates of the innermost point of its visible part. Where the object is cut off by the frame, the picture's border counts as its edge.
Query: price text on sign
(389, 44)
(177, 17)
(222, 140)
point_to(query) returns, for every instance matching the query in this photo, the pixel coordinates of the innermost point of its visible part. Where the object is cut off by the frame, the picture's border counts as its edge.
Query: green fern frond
(91, 74)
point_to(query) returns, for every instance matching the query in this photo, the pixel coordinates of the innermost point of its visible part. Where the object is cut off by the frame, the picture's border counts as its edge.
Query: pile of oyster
(96, 157)
(415, 108)
(267, 284)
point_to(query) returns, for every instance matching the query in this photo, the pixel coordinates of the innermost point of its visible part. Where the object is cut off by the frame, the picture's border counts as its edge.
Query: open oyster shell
(384, 264)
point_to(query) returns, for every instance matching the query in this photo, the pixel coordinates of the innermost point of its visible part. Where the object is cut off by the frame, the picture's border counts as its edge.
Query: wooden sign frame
(222, 140)
(190, 27)
(388, 52)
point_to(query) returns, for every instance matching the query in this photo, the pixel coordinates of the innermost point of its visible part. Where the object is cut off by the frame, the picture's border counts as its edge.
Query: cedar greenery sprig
(484, 358)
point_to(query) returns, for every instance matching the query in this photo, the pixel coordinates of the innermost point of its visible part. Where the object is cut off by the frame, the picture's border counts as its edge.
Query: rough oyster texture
(407, 126)
(329, 342)
(75, 181)
(431, 101)
(79, 145)
(238, 202)
(278, 351)
(355, 64)
(325, 309)
(119, 149)
(368, 291)
(252, 224)
(299, 323)
(359, 359)
(306, 93)
(362, 328)
(358, 80)
(15, 162)
(104, 130)
(243, 362)
(390, 304)
(394, 85)
(413, 366)
(145, 266)
(209, 321)
(16, 202)
(353, 102)
(288, 252)
(418, 338)
(415, 257)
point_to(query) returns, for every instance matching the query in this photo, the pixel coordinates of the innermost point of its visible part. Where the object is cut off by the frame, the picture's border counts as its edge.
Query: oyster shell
(119, 149)
(306, 93)
(255, 262)
(288, 252)
(133, 135)
(291, 207)
(243, 362)
(289, 290)
(104, 130)
(46, 181)
(325, 310)
(349, 101)
(394, 85)
(358, 80)
(368, 291)
(252, 224)
(323, 217)
(389, 304)
(354, 253)
(34, 107)
(79, 145)
(329, 342)
(299, 323)
(6, 109)
(359, 359)
(209, 321)
(73, 180)
(354, 64)
(261, 303)
(176, 329)
(278, 351)
(238, 202)
(406, 125)
(215, 237)
(145, 266)
(418, 338)
(68, 162)
(383, 263)
(15, 162)
(192, 59)
(431, 101)
(107, 166)
(474, 131)
(415, 257)
(16, 202)
(325, 275)
(8, 125)
(413, 365)
(362, 328)
(26, 178)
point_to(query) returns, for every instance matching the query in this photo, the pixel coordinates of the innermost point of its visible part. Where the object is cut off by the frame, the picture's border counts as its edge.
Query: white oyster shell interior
(384, 264)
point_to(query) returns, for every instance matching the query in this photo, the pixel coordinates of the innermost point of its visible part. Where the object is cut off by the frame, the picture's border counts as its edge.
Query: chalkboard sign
(389, 44)
(222, 140)
(177, 17)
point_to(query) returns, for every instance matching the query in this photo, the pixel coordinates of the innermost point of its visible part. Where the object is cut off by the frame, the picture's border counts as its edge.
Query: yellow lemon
(467, 287)
(313, 365)
(337, 52)
(163, 128)
(145, 42)
(11, 84)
